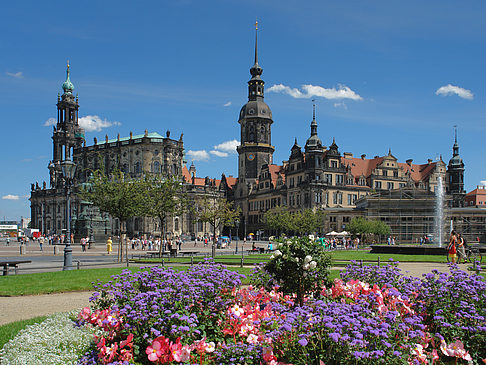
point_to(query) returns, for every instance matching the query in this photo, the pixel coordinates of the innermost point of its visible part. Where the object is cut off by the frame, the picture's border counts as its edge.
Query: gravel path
(25, 307)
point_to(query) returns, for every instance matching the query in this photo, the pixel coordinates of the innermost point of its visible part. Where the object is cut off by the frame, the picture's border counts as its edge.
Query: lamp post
(68, 168)
(237, 222)
(91, 236)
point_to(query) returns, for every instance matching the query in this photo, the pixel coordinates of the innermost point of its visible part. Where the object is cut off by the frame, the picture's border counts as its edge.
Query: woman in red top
(452, 247)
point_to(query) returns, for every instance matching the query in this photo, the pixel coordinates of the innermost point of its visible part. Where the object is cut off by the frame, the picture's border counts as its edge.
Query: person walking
(83, 244)
(109, 245)
(461, 249)
(452, 247)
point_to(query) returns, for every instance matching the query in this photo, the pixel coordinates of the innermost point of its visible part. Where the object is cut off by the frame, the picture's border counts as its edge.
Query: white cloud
(10, 197)
(451, 90)
(341, 104)
(94, 123)
(90, 123)
(228, 146)
(17, 75)
(200, 155)
(219, 153)
(309, 91)
(50, 121)
(228, 103)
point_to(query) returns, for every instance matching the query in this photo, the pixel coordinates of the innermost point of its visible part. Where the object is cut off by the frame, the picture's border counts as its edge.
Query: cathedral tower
(455, 172)
(66, 134)
(255, 120)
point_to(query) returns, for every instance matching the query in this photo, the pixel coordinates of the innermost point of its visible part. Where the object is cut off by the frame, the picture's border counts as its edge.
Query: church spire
(256, 70)
(67, 86)
(314, 122)
(455, 148)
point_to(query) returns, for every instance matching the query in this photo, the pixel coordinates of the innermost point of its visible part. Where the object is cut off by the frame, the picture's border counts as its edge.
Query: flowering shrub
(371, 315)
(55, 341)
(299, 266)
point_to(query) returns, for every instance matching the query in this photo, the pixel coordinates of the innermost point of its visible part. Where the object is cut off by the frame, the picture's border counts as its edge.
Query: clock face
(251, 156)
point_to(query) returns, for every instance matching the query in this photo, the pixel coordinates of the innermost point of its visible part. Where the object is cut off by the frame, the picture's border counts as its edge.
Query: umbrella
(333, 233)
(343, 233)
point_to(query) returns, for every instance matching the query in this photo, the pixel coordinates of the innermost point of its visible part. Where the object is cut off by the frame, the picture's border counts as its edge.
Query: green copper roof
(68, 86)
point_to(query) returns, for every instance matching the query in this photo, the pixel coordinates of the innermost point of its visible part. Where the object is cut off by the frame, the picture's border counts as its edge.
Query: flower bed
(372, 315)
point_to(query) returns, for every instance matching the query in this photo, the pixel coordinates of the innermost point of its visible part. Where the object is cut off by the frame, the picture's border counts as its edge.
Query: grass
(367, 256)
(9, 331)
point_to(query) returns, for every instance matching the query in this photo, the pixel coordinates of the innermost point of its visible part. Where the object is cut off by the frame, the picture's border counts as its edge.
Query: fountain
(439, 211)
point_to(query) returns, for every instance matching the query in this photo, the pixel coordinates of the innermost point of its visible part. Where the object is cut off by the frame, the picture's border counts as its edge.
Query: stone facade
(133, 155)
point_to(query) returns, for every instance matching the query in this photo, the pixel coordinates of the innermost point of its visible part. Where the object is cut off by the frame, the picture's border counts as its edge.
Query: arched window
(176, 224)
(138, 167)
(156, 167)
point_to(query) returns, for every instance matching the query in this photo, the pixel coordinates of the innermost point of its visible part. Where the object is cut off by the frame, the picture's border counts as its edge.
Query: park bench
(15, 264)
(189, 253)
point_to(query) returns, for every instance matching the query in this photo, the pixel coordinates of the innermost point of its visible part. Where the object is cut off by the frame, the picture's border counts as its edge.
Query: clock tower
(255, 121)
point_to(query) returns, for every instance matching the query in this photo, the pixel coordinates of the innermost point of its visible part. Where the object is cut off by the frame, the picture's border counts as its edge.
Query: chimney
(131, 134)
(363, 156)
(348, 155)
(95, 140)
(429, 161)
(409, 162)
(106, 138)
(146, 133)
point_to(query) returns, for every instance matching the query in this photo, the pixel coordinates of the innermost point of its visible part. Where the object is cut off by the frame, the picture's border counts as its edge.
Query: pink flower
(154, 351)
(252, 339)
(185, 353)
(455, 349)
(175, 350)
(85, 313)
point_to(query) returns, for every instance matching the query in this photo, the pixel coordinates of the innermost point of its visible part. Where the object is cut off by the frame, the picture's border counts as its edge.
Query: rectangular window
(334, 164)
(390, 186)
(328, 178)
(378, 184)
(339, 179)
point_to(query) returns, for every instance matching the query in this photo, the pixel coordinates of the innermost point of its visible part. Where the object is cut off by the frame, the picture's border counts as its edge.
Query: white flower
(306, 266)
(271, 257)
(297, 259)
(277, 253)
(308, 259)
(53, 341)
(313, 265)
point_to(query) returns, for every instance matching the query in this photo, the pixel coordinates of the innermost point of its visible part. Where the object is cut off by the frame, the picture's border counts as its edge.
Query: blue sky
(385, 74)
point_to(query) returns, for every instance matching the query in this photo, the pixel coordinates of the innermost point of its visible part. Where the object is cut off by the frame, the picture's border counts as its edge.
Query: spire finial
(313, 109)
(256, 42)
(68, 86)
(455, 133)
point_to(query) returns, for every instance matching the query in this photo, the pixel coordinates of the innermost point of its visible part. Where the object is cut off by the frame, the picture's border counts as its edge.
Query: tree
(277, 219)
(163, 197)
(307, 221)
(117, 195)
(361, 226)
(218, 212)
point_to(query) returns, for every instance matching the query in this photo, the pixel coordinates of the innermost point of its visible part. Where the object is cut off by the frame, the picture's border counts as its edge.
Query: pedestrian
(180, 243)
(452, 247)
(83, 244)
(8, 241)
(461, 250)
(41, 241)
(109, 245)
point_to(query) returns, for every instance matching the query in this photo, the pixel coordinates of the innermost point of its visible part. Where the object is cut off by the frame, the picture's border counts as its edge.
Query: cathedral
(315, 176)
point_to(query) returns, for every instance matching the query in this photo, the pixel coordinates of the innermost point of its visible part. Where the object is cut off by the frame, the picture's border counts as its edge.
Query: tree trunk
(162, 231)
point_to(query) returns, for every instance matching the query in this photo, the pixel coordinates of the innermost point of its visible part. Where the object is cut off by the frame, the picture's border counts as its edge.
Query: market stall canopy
(332, 233)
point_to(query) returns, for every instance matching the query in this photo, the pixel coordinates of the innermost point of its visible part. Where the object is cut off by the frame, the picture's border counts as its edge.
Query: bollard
(378, 261)
(241, 264)
(192, 258)
(55, 250)
(162, 262)
(361, 263)
(21, 249)
(77, 265)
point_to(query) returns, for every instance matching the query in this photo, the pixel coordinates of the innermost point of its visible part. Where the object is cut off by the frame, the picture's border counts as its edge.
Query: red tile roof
(274, 171)
(477, 192)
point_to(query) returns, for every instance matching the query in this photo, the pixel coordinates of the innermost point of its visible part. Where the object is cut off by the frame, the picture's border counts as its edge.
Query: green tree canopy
(115, 194)
(218, 212)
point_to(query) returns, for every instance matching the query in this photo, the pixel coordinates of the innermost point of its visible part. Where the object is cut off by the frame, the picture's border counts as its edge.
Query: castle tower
(255, 121)
(455, 173)
(314, 150)
(66, 134)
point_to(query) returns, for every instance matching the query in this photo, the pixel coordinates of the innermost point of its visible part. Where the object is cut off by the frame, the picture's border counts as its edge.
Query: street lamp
(91, 236)
(68, 168)
(237, 222)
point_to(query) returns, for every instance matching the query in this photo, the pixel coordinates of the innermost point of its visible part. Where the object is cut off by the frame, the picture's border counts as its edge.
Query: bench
(15, 264)
(189, 253)
(156, 253)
